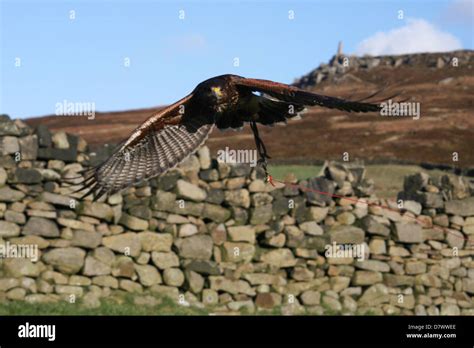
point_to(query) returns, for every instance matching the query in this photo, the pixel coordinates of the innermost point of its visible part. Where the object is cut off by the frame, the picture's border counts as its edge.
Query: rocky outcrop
(341, 67)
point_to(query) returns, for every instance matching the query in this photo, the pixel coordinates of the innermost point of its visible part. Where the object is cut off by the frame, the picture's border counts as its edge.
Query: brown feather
(295, 95)
(159, 144)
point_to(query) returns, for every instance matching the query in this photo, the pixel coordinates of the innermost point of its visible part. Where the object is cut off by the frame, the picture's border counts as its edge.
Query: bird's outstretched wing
(159, 144)
(295, 95)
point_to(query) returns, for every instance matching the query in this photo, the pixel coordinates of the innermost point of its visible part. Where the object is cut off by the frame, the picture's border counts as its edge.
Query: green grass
(123, 304)
(115, 305)
(301, 171)
(388, 179)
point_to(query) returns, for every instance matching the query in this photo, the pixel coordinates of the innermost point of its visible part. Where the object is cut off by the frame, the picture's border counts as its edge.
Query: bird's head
(216, 92)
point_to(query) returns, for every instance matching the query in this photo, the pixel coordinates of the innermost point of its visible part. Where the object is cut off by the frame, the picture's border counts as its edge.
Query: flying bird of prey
(173, 133)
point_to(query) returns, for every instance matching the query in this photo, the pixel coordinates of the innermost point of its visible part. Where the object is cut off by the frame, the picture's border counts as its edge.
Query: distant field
(388, 178)
(301, 171)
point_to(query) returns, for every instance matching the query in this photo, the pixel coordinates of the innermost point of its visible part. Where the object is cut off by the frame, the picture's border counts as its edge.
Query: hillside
(446, 124)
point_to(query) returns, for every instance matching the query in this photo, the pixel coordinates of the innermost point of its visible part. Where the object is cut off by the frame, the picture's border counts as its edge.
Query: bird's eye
(216, 91)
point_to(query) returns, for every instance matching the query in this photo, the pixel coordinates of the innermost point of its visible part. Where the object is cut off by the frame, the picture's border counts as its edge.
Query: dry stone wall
(215, 235)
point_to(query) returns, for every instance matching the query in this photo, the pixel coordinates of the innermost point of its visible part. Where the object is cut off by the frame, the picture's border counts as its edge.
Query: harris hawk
(170, 135)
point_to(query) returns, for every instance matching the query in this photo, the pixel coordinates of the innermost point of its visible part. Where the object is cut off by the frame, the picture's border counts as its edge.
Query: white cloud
(418, 35)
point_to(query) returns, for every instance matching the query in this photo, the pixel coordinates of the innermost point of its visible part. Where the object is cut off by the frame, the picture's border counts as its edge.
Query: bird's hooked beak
(217, 92)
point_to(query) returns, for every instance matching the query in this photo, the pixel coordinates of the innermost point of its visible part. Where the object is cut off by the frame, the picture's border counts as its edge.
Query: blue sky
(82, 59)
